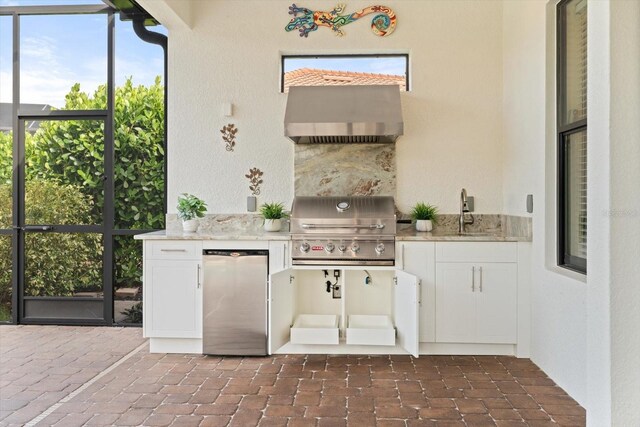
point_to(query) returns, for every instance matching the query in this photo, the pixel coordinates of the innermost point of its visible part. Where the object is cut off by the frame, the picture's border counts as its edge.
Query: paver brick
(281, 390)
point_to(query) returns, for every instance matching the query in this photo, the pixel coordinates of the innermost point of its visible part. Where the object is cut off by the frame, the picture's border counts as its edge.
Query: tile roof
(317, 77)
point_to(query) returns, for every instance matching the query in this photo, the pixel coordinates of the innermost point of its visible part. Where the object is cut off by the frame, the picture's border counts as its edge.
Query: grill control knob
(342, 248)
(329, 247)
(380, 248)
(304, 247)
(355, 247)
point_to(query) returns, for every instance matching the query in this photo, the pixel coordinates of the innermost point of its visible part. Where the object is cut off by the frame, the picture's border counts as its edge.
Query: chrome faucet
(464, 208)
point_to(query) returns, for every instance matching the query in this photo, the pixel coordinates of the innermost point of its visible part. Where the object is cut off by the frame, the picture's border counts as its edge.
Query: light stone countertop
(217, 235)
(410, 234)
(404, 234)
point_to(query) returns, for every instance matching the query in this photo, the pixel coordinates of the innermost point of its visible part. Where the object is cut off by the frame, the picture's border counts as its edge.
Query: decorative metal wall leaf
(229, 135)
(255, 180)
(306, 20)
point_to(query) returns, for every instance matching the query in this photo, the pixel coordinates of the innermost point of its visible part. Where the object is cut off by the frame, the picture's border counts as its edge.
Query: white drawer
(476, 252)
(173, 249)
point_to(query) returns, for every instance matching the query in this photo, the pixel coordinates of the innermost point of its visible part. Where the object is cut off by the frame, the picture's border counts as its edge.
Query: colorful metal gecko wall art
(306, 20)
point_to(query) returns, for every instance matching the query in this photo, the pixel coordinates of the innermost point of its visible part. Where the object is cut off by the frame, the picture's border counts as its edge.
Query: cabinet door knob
(480, 278)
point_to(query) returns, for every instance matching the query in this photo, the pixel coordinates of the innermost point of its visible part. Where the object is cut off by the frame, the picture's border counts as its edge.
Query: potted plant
(425, 216)
(273, 213)
(189, 209)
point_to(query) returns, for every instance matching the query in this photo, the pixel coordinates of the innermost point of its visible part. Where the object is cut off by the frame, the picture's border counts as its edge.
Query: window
(572, 134)
(345, 70)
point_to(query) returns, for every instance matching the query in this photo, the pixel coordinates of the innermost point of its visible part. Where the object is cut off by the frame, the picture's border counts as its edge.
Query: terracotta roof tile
(317, 77)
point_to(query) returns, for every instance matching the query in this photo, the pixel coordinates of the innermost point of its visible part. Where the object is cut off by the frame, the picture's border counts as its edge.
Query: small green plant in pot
(425, 215)
(190, 208)
(273, 214)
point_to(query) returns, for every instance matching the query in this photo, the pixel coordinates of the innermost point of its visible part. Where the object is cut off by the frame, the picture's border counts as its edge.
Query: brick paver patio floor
(291, 390)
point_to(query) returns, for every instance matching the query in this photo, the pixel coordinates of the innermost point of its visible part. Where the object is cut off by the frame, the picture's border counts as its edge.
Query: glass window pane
(6, 68)
(6, 173)
(575, 62)
(62, 57)
(63, 265)
(6, 121)
(138, 132)
(127, 287)
(64, 169)
(576, 194)
(345, 71)
(137, 60)
(6, 291)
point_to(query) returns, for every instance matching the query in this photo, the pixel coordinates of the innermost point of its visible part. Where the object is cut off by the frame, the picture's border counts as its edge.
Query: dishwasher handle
(234, 253)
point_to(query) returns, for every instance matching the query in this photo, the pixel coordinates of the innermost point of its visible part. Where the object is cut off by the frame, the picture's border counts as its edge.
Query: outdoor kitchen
(266, 213)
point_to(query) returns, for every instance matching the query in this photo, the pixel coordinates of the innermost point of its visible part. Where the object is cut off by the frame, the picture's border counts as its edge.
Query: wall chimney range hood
(343, 114)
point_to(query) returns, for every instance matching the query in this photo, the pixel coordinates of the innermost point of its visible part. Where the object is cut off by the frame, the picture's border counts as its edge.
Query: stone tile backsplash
(345, 170)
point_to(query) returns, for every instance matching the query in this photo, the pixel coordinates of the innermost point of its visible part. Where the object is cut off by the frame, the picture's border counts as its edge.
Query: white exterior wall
(625, 212)
(232, 54)
(559, 312)
(598, 199)
(585, 330)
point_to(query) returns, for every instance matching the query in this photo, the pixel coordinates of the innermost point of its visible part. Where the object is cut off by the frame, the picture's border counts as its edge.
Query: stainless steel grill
(343, 230)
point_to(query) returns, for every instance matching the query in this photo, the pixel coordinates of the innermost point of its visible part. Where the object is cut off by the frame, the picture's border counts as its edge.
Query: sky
(59, 51)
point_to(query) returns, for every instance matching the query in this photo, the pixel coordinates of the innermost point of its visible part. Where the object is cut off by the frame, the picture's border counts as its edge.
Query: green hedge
(56, 264)
(65, 174)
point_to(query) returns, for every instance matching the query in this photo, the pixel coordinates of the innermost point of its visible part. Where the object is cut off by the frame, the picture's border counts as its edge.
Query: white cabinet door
(172, 299)
(418, 258)
(455, 303)
(476, 303)
(496, 304)
(279, 255)
(406, 311)
(281, 306)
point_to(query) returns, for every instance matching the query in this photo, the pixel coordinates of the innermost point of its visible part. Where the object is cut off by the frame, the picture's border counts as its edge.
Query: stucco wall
(453, 113)
(559, 312)
(625, 212)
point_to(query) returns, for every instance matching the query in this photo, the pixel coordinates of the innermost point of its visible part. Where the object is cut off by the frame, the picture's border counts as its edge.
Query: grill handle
(370, 226)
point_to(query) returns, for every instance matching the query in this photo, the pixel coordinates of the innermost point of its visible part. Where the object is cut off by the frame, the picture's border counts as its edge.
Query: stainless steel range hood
(343, 114)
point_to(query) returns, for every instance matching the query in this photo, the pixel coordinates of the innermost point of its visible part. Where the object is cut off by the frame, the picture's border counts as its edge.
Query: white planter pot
(272, 224)
(190, 226)
(424, 225)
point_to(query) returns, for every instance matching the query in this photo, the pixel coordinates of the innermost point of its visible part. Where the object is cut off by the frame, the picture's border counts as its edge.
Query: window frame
(563, 133)
(283, 58)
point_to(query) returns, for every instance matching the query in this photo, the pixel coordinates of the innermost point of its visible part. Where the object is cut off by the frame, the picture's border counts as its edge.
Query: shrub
(66, 158)
(55, 263)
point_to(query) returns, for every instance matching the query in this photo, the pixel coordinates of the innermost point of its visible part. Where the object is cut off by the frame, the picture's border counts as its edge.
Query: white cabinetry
(386, 293)
(418, 258)
(279, 255)
(476, 293)
(172, 289)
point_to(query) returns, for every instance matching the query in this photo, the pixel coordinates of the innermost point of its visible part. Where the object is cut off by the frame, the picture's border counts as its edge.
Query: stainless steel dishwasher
(235, 302)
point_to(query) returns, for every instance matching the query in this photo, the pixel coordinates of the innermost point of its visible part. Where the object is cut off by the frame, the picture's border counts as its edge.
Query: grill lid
(378, 207)
(353, 215)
